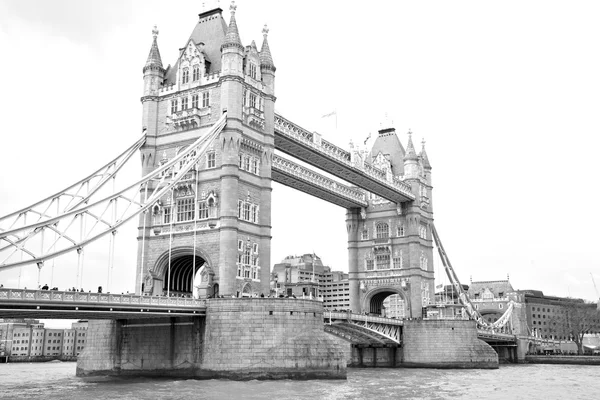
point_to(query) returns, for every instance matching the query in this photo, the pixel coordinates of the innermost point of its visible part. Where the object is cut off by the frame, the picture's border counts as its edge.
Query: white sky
(506, 95)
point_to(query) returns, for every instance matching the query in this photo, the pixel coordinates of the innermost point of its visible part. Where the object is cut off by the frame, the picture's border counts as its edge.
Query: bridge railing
(27, 295)
(319, 180)
(361, 317)
(300, 134)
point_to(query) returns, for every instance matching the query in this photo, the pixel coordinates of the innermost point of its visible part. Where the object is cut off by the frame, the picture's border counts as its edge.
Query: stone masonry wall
(265, 338)
(101, 355)
(445, 344)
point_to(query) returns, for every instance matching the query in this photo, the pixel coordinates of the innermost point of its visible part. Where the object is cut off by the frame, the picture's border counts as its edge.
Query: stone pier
(445, 344)
(249, 338)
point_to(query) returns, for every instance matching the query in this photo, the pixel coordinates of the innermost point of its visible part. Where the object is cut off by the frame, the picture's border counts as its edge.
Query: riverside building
(306, 276)
(27, 338)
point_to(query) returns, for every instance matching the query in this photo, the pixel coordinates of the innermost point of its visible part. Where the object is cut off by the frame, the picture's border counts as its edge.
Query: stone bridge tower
(390, 245)
(212, 234)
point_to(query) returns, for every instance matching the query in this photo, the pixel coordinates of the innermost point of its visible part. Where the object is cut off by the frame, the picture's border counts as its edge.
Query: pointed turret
(411, 154)
(423, 156)
(232, 37)
(266, 60)
(154, 61)
(411, 160)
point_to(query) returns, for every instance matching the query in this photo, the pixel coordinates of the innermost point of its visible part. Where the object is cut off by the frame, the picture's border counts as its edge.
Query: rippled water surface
(58, 381)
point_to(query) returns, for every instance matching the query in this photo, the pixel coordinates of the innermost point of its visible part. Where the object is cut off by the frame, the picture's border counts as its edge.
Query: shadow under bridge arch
(178, 272)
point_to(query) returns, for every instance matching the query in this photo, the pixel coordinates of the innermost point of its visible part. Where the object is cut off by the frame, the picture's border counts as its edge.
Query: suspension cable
(196, 209)
(170, 242)
(144, 217)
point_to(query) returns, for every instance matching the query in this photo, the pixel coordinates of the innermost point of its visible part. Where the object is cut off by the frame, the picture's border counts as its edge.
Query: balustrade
(317, 179)
(295, 132)
(26, 295)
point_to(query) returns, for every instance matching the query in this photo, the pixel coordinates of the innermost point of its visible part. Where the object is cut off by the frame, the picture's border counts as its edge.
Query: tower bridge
(203, 206)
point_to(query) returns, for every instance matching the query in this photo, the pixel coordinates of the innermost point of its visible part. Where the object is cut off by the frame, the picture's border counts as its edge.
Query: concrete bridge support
(371, 356)
(445, 344)
(506, 354)
(247, 338)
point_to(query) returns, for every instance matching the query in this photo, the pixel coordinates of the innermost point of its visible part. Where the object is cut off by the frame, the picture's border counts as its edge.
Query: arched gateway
(181, 271)
(388, 302)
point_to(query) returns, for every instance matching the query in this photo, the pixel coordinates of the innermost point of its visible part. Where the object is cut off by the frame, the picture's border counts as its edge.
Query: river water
(56, 380)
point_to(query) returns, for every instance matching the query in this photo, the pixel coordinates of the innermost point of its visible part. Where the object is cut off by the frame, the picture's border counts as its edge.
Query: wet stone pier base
(253, 338)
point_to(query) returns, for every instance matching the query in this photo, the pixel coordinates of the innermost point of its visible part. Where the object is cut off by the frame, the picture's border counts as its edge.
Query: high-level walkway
(309, 147)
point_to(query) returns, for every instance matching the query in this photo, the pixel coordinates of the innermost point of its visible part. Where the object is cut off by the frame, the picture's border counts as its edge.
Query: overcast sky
(506, 95)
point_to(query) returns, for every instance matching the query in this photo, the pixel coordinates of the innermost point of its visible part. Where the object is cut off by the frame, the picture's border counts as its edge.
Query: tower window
(195, 101)
(185, 209)
(400, 232)
(382, 231)
(205, 99)
(185, 76)
(174, 105)
(202, 210)
(253, 100)
(167, 215)
(255, 166)
(369, 265)
(184, 103)
(365, 234)
(196, 73)
(383, 261)
(211, 160)
(248, 211)
(252, 70)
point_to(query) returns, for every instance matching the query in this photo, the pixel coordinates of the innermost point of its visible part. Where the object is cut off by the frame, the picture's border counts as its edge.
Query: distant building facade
(551, 317)
(305, 275)
(29, 338)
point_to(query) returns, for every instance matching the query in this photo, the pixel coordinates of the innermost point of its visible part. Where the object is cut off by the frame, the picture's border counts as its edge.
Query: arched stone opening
(386, 302)
(178, 279)
(181, 276)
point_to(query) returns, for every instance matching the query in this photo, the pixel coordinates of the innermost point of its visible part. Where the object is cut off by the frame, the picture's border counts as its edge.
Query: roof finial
(155, 32)
(409, 132)
(265, 31)
(423, 142)
(232, 8)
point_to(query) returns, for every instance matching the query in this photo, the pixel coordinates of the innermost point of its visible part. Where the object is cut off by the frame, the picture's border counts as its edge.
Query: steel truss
(88, 216)
(462, 295)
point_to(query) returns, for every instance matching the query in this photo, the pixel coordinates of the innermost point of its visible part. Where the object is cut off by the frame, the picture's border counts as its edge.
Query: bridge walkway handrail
(340, 315)
(66, 297)
(297, 133)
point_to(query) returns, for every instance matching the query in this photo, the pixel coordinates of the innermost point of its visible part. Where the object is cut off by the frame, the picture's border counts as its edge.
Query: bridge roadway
(52, 304)
(359, 329)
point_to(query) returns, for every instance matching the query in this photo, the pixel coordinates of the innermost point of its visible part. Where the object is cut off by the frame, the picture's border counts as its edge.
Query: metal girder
(291, 174)
(71, 197)
(353, 334)
(310, 148)
(462, 295)
(89, 219)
